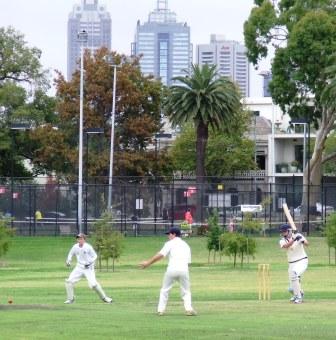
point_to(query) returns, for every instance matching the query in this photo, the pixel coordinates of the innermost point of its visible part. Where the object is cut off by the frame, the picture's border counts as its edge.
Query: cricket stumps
(264, 282)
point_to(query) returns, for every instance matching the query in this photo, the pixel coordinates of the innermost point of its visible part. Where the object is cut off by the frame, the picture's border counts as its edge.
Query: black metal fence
(145, 206)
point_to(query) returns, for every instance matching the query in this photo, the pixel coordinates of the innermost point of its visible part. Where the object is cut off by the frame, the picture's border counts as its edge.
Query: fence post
(57, 203)
(172, 202)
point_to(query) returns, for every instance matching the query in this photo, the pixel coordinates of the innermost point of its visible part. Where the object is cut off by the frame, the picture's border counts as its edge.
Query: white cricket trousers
(295, 270)
(79, 272)
(168, 280)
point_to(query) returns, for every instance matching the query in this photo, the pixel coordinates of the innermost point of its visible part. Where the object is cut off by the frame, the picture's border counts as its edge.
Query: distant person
(86, 257)
(165, 215)
(179, 255)
(231, 226)
(38, 215)
(297, 259)
(188, 217)
(135, 225)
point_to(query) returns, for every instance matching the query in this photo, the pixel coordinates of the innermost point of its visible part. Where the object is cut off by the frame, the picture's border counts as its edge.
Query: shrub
(5, 235)
(233, 244)
(108, 243)
(213, 243)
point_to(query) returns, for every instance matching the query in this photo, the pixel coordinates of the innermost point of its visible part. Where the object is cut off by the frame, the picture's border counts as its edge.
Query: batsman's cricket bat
(289, 216)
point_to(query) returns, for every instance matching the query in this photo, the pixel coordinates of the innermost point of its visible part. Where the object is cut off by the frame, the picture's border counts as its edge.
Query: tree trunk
(202, 135)
(316, 161)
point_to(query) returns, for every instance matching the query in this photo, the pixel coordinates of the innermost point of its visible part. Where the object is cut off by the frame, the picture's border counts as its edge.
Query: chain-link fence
(145, 206)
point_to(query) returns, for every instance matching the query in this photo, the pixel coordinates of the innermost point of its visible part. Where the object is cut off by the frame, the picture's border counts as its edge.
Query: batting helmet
(284, 227)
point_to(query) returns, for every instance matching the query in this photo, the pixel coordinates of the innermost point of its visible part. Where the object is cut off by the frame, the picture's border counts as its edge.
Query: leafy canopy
(202, 97)
(304, 36)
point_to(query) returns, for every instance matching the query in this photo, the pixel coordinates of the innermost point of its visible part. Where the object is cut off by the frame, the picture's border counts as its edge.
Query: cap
(174, 230)
(284, 227)
(81, 235)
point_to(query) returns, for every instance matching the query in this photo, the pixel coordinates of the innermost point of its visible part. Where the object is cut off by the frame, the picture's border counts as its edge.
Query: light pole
(82, 38)
(15, 127)
(255, 114)
(158, 137)
(308, 175)
(306, 160)
(111, 61)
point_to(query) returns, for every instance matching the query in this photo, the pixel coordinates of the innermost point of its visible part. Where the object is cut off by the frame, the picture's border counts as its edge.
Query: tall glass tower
(230, 58)
(96, 21)
(163, 44)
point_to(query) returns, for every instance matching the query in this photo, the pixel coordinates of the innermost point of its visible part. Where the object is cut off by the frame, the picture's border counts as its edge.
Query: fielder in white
(86, 257)
(179, 255)
(297, 259)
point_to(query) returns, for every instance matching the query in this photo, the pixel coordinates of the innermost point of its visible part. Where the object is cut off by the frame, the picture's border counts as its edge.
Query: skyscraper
(230, 58)
(164, 44)
(96, 21)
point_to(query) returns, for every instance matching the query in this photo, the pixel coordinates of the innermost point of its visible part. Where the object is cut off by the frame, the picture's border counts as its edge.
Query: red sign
(192, 190)
(2, 190)
(186, 194)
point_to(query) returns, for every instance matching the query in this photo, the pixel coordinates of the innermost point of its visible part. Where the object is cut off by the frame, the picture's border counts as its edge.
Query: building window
(163, 58)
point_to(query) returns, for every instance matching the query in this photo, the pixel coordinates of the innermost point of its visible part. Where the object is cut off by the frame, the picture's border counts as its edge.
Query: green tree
(207, 100)
(234, 244)
(108, 243)
(19, 63)
(237, 150)
(213, 243)
(102, 231)
(112, 248)
(304, 36)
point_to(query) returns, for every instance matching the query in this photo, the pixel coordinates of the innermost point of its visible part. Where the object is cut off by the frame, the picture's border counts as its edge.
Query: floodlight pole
(82, 37)
(109, 202)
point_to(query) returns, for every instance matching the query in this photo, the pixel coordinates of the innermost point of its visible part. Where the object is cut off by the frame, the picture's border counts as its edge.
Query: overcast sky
(44, 24)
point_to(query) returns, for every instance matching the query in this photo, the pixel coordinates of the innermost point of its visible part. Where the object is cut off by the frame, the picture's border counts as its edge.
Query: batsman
(297, 259)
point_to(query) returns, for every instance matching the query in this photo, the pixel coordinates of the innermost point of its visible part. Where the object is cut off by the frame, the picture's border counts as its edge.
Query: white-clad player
(179, 255)
(297, 259)
(86, 257)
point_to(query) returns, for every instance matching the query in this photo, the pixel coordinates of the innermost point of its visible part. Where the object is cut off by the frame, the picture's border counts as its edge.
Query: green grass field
(33, 274)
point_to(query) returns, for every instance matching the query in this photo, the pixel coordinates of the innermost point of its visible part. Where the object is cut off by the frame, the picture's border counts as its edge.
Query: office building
(96, 21)
(230, 58)
(163, 44)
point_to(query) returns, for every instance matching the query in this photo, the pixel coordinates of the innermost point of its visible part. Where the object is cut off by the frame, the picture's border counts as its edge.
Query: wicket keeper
(86, 257)
(297, 259)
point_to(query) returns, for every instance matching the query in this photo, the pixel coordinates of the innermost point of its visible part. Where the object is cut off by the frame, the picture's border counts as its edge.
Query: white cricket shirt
(296, 251)
(178, 252)
(85, 254)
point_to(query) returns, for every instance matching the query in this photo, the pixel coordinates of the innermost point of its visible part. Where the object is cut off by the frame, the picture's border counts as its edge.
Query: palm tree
(206, 99)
